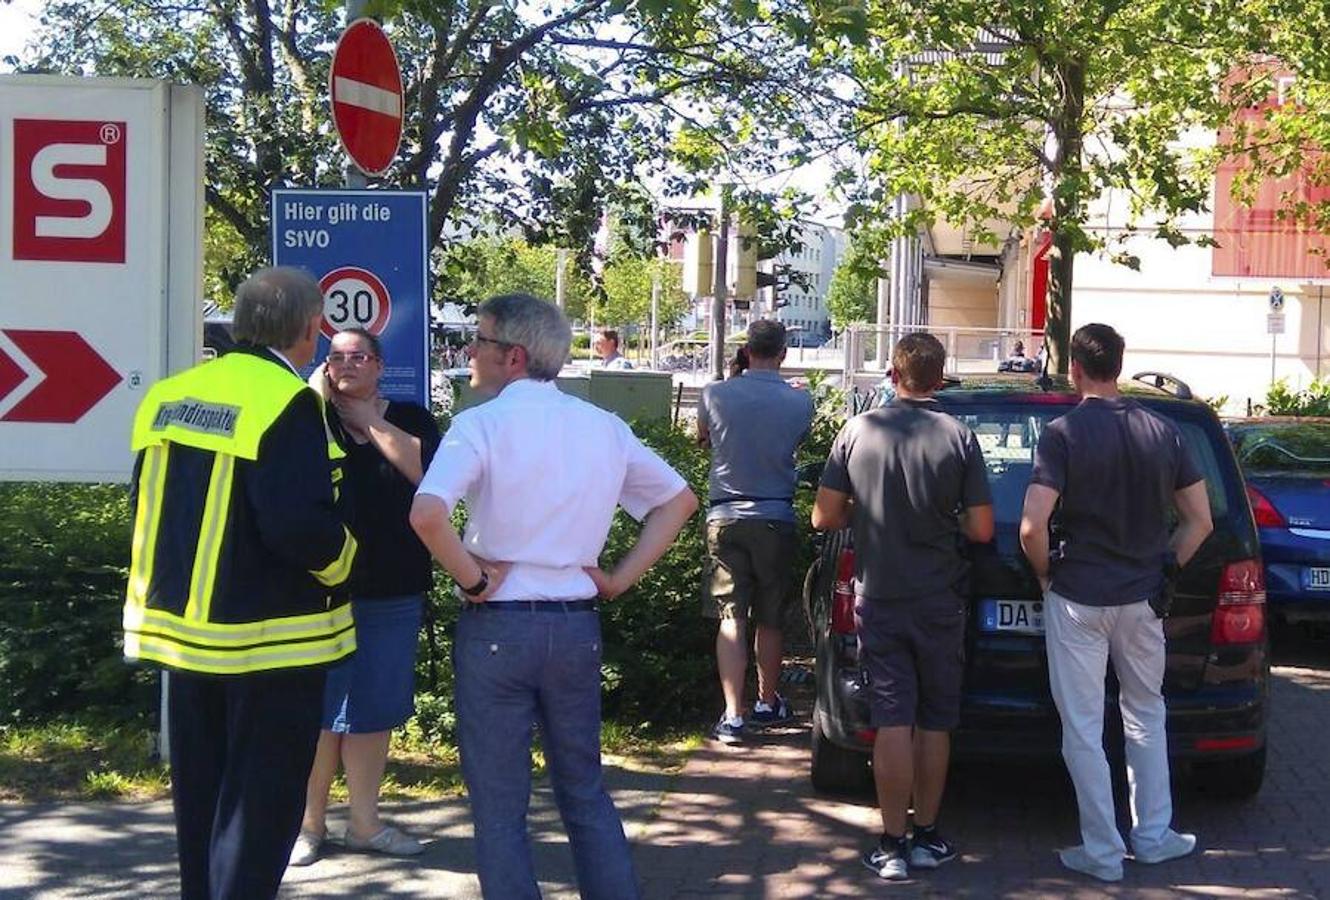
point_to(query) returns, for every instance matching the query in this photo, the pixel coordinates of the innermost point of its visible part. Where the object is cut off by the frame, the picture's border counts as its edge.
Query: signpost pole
(721, 283)
(655, 315)
(355, 9)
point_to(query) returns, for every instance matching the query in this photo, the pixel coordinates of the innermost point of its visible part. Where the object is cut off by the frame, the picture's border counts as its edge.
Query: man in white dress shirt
(542, 473)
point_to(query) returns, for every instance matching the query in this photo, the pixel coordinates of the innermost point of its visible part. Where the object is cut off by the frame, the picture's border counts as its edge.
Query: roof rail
(1165, 382)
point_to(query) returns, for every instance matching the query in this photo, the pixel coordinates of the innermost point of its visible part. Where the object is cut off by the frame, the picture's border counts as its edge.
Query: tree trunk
(1057, 327)
(1068, 181)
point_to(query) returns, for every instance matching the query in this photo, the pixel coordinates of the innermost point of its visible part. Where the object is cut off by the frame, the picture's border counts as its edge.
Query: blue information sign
(369, 252)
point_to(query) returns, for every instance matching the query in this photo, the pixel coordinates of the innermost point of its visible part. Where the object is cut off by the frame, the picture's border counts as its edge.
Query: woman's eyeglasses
(356, 358)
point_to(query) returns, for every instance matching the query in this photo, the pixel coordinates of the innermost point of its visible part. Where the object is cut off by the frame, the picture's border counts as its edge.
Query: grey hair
(274, 305)
(766, 339)
(535, 325)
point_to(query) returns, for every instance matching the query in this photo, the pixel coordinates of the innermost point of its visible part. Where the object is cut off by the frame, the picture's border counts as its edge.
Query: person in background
(753, 424)
(388, 445)
(607, 348)
(739, 364)
(910, 480)
(236, 585)
(542, 473)
(1108, 474)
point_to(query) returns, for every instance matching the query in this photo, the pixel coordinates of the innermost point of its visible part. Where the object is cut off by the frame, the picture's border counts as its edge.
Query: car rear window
(1009, 436)
(1202, 450)
(1293, 447)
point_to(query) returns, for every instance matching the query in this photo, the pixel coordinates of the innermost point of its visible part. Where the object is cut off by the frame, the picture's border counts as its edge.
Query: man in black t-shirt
(1115, 468)
(910, 481)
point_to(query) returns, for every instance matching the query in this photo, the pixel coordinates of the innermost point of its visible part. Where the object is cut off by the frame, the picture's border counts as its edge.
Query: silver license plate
(1318, 579)
(1014, 616)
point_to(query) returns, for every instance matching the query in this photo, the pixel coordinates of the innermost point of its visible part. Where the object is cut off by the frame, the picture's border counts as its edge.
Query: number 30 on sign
(354, 298)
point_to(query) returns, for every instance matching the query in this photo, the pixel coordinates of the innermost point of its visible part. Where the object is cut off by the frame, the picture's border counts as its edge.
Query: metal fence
(866, 355)
(867, 348)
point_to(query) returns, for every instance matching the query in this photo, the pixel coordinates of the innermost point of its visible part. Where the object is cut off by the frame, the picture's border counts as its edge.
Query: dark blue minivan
(1217, 674)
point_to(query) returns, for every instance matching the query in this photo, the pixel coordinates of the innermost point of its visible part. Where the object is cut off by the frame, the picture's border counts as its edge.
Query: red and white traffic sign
(365, 84)
(65, 379)
(354, 298)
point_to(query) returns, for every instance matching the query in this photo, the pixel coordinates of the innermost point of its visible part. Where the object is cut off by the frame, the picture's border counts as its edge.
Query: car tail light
(842, 595)
(1263, 510)
(1240, 613)
(866, 735)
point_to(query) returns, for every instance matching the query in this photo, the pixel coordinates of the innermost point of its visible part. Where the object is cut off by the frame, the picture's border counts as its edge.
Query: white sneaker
(1175, 845)
(308, 849)
(1076, 859)
(388, 841)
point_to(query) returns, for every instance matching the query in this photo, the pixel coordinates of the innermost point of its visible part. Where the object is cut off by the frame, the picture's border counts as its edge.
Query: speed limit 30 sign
(354, 298)
(369, 252)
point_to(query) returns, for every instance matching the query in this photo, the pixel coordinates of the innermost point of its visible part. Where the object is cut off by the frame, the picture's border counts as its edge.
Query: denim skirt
(375, 689)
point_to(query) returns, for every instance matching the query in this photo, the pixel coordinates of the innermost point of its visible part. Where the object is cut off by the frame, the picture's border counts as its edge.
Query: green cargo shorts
(749, 564)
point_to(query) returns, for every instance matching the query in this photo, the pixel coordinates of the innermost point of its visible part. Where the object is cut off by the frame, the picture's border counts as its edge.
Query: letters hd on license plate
(1318, 579)
(1019, 616)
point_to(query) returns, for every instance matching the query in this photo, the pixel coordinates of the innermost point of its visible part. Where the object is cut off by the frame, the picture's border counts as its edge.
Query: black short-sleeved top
(391, 560)
(1116, 466)
(911, 469)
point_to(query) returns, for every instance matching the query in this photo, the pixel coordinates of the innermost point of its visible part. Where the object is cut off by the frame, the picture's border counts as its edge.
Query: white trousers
(1081, 639)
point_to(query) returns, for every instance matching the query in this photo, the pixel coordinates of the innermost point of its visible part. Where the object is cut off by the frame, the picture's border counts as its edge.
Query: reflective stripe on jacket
(239, 553)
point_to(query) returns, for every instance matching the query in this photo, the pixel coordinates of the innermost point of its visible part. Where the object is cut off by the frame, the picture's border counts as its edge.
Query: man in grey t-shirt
(910, 482)
(753, 423)
(1116, 468)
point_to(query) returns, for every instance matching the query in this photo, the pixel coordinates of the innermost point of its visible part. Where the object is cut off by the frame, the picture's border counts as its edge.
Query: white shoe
(1076, 859)
(308, 849)
(1175, 845)
(388, 841)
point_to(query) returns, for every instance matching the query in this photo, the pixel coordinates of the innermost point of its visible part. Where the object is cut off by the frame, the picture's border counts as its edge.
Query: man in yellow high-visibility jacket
(235, 582)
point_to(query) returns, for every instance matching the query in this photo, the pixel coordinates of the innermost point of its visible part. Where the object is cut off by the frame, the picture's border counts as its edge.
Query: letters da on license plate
(1318, 579)
(1019, 616)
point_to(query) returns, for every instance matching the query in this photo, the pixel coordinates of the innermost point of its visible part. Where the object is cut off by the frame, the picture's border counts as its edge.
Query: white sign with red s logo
(69, 190)
(100, 264)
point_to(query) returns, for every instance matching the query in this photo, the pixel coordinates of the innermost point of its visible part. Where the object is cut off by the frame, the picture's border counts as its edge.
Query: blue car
(1287, 466)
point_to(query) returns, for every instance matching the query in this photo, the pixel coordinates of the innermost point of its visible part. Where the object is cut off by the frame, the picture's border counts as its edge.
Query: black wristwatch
(479, 587)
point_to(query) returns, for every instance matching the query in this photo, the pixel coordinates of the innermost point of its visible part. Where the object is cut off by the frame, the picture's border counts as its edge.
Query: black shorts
(913, 657)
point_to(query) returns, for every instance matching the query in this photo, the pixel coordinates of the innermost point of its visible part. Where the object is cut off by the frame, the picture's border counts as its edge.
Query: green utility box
(628, 394)
(631, 394)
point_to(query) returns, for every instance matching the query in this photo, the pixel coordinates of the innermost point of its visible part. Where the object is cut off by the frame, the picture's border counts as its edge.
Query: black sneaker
(777, 713)
(928, 849)
(888, 859)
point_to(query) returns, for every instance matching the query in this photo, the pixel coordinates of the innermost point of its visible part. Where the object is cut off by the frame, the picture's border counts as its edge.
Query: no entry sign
(365, 85)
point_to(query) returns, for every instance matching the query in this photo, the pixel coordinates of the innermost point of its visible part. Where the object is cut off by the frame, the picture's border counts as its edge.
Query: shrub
(62, 583)
(1313, 400)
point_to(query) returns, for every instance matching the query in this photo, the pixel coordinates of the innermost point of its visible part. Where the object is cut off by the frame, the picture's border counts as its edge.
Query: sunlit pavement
(743, 822)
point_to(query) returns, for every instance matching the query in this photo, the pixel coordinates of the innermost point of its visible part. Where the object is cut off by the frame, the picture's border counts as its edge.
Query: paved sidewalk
(743, 822)
(119, 851)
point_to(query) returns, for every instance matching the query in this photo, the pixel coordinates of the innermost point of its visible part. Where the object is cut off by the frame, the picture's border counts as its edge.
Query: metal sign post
(1274, 325)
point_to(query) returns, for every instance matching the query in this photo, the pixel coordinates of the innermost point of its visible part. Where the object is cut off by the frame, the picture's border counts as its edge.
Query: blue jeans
(516, 669)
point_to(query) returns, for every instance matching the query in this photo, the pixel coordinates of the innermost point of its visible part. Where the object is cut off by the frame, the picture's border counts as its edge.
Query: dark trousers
(241, 751)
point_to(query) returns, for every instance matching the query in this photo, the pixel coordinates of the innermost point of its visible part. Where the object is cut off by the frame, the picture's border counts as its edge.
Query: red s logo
(69, 191)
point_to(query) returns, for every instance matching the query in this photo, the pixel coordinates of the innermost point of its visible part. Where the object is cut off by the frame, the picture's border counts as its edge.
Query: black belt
(744, 498)
(588, 605)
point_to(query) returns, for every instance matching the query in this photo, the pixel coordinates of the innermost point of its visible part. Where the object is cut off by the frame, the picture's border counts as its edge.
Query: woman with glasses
(388, 444)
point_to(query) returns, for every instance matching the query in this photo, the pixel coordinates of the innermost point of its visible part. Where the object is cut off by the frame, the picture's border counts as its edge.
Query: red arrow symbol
(76, 377)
